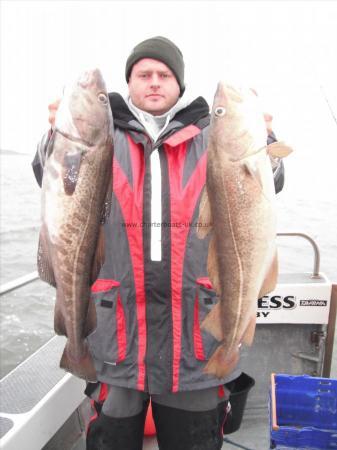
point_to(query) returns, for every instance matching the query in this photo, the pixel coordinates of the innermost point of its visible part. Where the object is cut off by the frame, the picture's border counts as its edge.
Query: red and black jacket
(148, 334)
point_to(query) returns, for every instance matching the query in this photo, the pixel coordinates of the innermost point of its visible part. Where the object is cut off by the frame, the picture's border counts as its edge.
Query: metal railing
(315, 272)
(18, 282)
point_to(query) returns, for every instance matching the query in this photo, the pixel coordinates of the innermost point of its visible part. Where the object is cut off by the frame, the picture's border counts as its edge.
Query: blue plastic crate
(303, 412)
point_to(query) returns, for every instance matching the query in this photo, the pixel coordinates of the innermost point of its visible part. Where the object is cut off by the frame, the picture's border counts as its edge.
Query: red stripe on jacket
(183, 202)
(104, 285)
(121, 330)
(197, 338)
(130, 199)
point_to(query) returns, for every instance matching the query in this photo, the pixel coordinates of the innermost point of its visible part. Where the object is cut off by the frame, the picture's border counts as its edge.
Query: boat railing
(18, 282)
(315, 271)
(33, 276)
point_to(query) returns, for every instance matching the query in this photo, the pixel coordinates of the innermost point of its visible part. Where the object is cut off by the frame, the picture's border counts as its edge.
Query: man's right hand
(53, 107)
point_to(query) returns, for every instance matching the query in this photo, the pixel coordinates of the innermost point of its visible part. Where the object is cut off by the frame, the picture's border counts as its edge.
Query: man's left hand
(268, 118)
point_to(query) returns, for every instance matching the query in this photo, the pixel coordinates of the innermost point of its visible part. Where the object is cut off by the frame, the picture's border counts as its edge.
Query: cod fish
(76, 190)
(238, 210)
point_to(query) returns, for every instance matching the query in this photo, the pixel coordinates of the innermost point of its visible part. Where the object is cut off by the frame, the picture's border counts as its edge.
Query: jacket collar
(196, 114)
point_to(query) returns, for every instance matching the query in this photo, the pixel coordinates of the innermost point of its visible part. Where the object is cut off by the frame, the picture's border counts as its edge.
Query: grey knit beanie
(163, 50)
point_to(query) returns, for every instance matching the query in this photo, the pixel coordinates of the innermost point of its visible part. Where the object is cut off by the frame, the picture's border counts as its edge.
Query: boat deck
(38, 391)
(42, 407)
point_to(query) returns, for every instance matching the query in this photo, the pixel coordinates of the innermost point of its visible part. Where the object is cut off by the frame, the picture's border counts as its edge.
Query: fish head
(84, 111)
(237, 122)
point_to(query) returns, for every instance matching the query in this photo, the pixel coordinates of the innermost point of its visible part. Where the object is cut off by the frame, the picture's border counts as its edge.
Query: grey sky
(284, 49)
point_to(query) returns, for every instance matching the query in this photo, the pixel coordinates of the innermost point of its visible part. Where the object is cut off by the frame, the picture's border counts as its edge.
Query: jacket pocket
(109, 341)
(205, 298)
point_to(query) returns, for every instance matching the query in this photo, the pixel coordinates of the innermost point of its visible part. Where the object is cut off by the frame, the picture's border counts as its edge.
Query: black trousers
(177, 429)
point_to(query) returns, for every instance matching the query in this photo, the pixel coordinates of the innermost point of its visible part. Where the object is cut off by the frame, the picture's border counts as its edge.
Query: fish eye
(220, 111)
(103, 98)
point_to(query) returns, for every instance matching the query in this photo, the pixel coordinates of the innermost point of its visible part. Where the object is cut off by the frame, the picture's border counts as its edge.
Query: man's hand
(53, 107)
(268, 118)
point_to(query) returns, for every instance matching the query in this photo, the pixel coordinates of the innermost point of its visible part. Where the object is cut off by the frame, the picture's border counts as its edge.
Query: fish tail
(82, 367)
(222, 363)
(44, 261)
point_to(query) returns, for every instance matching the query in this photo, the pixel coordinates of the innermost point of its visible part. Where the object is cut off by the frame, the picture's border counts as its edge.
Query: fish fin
(59, 322)
(212, 265)
(252, 169)
(107, 203)
(80, 367)
(212, 323)
(222, 363)
(99, 256)
(279, 149)
(248, 336)
(270, 279)
(44, 262)
(91, 322)
(205, 216)
(50, 145)
(70, 171)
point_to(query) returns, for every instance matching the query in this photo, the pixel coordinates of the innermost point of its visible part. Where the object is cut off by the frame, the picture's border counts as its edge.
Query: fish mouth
(91, 77)
(229, 92)
(74, 138)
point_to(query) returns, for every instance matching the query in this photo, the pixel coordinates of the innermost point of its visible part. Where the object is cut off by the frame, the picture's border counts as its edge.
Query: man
(153, 292)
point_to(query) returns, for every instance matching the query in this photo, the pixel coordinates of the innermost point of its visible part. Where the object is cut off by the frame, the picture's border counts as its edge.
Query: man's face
(153, 87)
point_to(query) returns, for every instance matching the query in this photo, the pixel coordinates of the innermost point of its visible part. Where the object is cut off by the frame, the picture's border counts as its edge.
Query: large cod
(76, 191)
(238, 209)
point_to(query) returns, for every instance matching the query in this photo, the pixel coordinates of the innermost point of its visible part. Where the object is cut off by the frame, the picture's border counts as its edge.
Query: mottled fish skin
(76, 185)
(238, 203)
